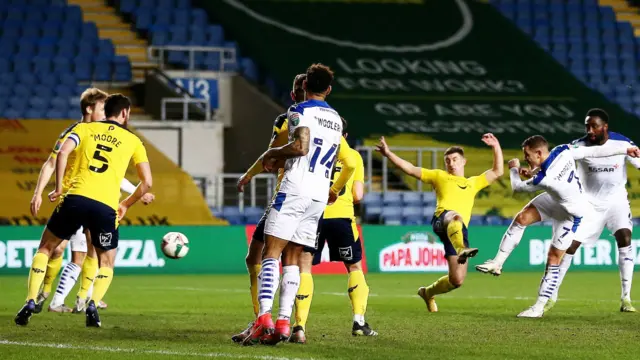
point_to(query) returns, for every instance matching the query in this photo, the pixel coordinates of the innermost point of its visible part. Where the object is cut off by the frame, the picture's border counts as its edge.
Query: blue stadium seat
(429, 198)
(392, 198)
(373, 199)
(372, 213)
(412, 198)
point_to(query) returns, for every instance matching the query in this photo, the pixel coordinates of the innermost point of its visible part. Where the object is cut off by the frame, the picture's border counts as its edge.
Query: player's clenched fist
(633, 152)
(382, 147)
(514, 163)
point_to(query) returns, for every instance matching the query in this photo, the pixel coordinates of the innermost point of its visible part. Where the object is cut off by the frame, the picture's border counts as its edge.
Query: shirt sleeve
(480, 182)
(358, 175)
(140, 154)
(296, 118)
(280, 135)
(349, 165)
(127, 186)
(428, 176)
(581, 152)
(635, 162)
(531, 185)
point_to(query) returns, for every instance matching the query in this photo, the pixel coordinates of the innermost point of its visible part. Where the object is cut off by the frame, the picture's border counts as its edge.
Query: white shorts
(566, 227)
(614, 217)
(78, 241)
(294, 218)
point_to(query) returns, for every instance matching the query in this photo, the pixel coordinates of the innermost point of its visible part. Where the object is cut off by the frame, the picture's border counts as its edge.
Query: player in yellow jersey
(279, 137)
(338, 229)
(455, 196)
(104, 150)
(83, 256)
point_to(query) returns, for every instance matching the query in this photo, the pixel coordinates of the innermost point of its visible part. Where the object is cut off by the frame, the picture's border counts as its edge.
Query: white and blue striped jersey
(558, 175)
(310, 175)
(604, 179)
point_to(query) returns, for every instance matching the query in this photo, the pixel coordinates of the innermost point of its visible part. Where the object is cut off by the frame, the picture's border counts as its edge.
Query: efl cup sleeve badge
(294, 119)
(58, 146)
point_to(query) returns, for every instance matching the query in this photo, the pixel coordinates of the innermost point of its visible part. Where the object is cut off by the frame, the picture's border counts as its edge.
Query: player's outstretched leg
(359, 295)
(548, 284)
(304, 298)
(457, 274)
(625, 265)
(510, 240)
(456, 236)
(53, 269)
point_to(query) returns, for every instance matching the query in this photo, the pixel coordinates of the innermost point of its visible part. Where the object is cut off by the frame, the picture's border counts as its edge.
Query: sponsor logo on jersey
(417, 252)
(600, 169)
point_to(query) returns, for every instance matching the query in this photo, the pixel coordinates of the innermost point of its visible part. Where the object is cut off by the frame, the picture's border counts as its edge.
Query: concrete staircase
(125, 40)
(624, 12)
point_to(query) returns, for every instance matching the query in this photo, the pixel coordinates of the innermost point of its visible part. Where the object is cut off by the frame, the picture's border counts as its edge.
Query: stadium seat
(412, 198)
(391, 198)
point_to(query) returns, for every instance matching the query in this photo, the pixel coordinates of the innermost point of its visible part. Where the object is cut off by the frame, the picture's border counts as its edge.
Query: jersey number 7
(326, 160)
(98, 156)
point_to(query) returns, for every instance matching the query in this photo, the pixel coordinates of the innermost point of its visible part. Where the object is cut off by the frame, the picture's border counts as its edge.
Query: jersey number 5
(98, 156)
(336, 170)
(326, 160)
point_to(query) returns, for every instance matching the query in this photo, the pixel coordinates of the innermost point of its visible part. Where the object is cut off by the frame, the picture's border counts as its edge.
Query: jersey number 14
(327, 160)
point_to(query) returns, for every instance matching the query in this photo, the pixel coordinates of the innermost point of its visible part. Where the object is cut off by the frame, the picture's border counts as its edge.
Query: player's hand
(514, 163)
(268, 161)
(526, 173)
(382, 147)
(633, 152)
(122, 210)
(490, 140)
(244, 180)
(36, 201)
(332, 197)
(54, 195)
(147, 198)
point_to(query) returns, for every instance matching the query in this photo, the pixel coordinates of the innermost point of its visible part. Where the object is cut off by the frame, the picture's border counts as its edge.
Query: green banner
(418, 249)
(447, 69)
(212, 249)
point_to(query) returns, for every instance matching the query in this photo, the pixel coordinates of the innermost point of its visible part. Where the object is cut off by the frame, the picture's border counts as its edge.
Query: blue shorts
(439, 229)
(75, 211)
(344, 246)
(258, 233)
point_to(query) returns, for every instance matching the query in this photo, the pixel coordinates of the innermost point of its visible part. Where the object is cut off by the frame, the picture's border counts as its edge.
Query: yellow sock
(441, 286)
(358, 292)
(89, 270)
(53, 268)
(454, 232)
(254, 270)
(101, 285)
(303, 299)
(36, 275)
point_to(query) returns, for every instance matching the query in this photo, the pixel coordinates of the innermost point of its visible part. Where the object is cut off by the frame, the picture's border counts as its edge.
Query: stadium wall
(398, 249)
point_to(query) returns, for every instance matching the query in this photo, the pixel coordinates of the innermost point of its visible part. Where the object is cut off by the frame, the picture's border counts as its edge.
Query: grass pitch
(189, 316)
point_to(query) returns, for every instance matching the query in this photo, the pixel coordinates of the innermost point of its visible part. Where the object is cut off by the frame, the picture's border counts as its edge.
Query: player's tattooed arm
(299, 146)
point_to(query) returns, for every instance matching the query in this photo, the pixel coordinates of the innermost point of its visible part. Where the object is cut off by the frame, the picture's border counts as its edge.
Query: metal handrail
(185, 101)
(160, 50)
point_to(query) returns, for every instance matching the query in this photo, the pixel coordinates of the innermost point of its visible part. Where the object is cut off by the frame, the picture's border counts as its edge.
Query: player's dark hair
(319, 78)
(90, 98)
(454, 150)
(600, 114)
(114, 105)
(535, 142)
(344, 125)
(298, 90)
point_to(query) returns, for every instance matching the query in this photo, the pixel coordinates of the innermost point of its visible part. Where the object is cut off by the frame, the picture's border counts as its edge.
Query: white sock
(358, 319)
(564, 267)
(510, 241)
(548, 285)
(625, 265)
(288, 290)
(268, 284)
(68, 280)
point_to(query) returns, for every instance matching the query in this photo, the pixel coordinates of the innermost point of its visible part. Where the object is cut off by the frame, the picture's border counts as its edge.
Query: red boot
(262, 327)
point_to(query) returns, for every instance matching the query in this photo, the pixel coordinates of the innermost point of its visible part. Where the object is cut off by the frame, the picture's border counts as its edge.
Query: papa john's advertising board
(413, 251)
(325, 266)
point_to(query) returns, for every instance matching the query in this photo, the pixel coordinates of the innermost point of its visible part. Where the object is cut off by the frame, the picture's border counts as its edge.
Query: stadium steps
(624, 12)
(111, 26)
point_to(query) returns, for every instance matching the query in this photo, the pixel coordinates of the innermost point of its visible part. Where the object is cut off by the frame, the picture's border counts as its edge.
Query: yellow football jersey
(343, 207)
(103, 152)
(454, 192)
(70, 170)
(279, 138)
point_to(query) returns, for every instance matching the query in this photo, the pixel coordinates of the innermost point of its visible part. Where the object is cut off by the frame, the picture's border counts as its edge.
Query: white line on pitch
(146, 352)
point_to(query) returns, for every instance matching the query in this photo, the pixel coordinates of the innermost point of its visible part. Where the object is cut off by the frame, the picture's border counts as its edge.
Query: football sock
(358, 294)
(548, 285)
(288, 290)
(36, 275)
(303, 299)
(625, 265)
(509, 242)
(102, 283)
(89, 270)
(267, 284)
(441, 286)
(68, 280)
(454, 232)
(564, 267)
(53, 268)
(254, 270)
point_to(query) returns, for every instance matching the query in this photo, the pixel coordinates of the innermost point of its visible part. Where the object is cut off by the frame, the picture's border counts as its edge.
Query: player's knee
(354, 267)
(623, 238)
(305, 262)
(573, 248)
(78, 257)
(456, 282)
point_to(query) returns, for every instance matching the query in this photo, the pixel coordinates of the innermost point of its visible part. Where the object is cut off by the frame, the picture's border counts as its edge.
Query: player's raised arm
(404, 165)
(46, 172)
(357, 191)
(498, 160)
(61, 163)
(581, 152)
(517, 184)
